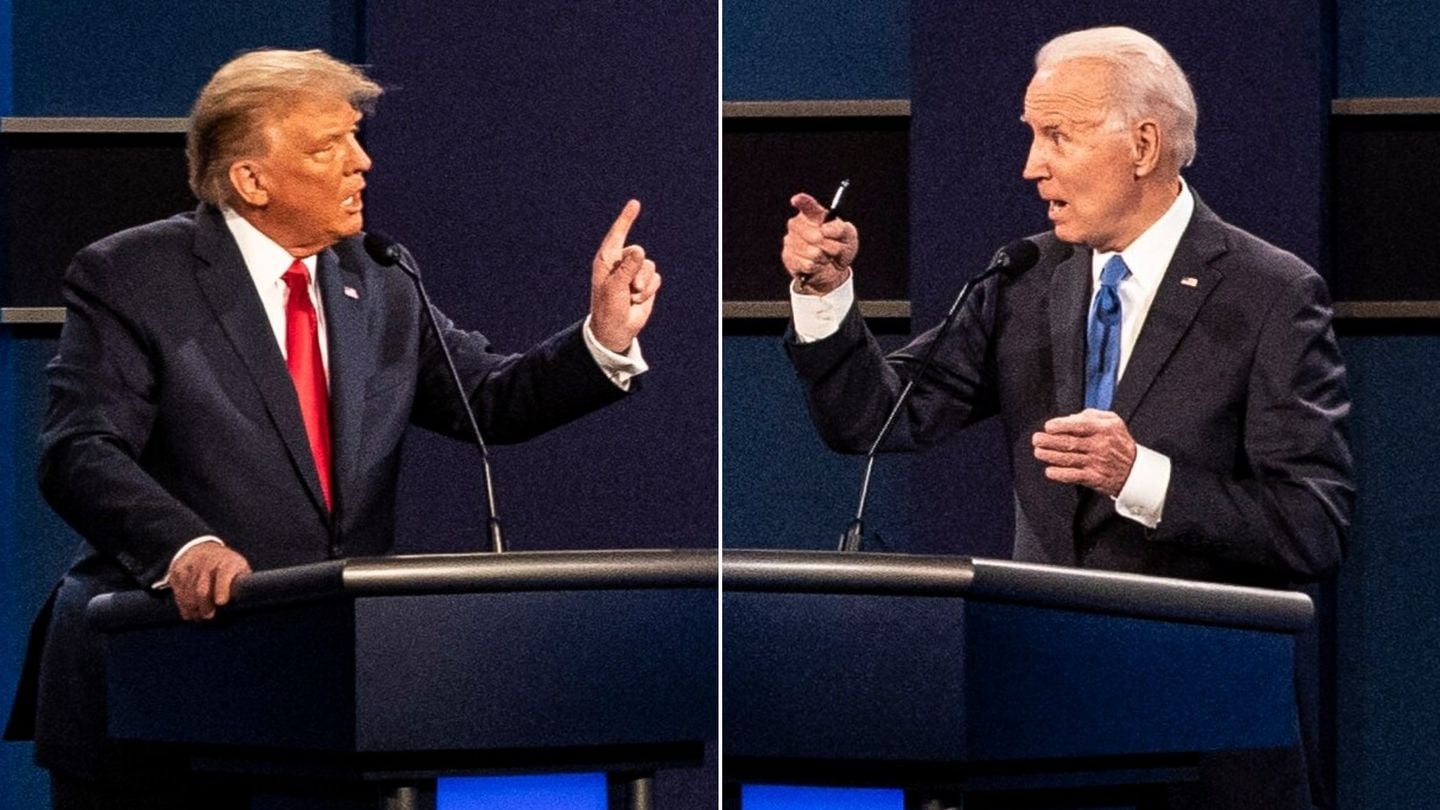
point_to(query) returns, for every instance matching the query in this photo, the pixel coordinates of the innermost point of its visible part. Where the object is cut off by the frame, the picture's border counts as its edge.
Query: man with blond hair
(1170, 387)
(232, 387)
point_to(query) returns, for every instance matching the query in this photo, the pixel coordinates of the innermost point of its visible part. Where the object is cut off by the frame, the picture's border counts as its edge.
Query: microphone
(1012, 260)
(388, 253)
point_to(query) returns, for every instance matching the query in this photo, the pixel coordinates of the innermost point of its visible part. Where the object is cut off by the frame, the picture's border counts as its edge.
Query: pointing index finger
(615, 238)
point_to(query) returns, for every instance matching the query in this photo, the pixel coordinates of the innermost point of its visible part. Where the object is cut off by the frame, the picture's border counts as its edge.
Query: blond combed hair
(1148, 81)
(229, 117)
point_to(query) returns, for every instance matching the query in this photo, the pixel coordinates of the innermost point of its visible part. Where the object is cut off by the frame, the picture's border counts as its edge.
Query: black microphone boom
(1013, 259)
(388, 253)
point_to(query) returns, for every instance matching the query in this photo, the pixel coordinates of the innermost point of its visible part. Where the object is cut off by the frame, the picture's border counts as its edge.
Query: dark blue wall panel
(816, 50)
(5, 58)
(1388, 674)
(782, 487)
(35, 545)
(1387, 48)
(74, 57)
(507, 144)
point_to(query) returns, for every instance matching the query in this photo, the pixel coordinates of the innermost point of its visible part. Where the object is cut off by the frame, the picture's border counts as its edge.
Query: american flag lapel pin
(1188, 281)
(351, 292)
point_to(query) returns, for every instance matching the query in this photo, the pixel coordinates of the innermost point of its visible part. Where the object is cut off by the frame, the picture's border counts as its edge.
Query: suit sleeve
(514, 396)
(851, 384)
(1288, 508)
(101, 412)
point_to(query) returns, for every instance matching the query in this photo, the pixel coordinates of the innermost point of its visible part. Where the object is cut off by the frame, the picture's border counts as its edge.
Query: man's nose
(1035, 165)
(359, 158)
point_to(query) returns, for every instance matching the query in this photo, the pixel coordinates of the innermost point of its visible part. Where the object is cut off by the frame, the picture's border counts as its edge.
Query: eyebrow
(337, 132)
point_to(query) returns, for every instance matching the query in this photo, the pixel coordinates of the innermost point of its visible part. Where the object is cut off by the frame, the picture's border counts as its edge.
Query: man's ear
(1145, 145)
(249, 187)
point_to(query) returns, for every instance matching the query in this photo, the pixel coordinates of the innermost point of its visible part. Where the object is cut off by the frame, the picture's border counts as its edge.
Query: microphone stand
(1013, 258)
(402, 258)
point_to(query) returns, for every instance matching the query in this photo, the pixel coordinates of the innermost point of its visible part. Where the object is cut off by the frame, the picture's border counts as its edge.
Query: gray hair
(250, 91)
(1148, 81)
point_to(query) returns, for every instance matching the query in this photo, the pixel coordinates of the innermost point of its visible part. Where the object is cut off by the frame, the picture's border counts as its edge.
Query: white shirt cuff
(817, 317)
(208, 538)
(620, 368)
(1142, 499)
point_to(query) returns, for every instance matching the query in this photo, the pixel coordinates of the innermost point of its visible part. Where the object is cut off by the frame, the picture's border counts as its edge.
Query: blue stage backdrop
(506, 145)
(816, 49)
(5, 57)
(1385, 693)
(80, 58)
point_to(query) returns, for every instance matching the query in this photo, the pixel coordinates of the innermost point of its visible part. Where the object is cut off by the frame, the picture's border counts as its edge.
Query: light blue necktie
(1102, 338)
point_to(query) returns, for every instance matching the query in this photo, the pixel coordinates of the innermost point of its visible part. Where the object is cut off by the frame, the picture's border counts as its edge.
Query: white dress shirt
(267, 263)
(1142, 499)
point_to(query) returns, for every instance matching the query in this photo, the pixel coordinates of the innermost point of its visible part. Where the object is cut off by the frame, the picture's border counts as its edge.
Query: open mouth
(353, 203)
(1056, 206)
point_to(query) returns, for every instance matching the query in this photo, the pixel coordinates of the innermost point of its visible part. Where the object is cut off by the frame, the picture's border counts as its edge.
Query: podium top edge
(418, 575)
(1016, 582)
(534, 570)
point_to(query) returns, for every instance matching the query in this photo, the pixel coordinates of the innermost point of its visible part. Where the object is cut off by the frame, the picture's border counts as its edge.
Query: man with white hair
(1172, 394)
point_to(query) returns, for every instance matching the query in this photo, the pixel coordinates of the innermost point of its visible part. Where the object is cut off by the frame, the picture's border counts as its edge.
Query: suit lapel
(226, 284)
(1069, 305)
(1186, 284)
(350, 364)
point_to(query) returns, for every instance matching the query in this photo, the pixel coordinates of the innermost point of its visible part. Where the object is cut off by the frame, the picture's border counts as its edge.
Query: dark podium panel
(987, 675)
(407, 668)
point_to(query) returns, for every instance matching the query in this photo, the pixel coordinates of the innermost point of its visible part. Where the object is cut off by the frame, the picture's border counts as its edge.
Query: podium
(955, 676)
(390, 672)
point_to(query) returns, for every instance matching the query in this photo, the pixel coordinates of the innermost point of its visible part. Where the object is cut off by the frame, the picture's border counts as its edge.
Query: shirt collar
(263, 256)
(1151, 252)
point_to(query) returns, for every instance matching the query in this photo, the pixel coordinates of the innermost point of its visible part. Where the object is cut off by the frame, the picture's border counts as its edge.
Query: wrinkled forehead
(1075, 90)
(310, 106)
(307, 114)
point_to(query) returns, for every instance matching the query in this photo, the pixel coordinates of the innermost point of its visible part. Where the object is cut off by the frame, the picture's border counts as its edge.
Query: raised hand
(817, 253)
(622, 285)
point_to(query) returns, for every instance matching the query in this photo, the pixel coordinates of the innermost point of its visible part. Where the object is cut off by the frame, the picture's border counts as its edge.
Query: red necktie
(302, 349)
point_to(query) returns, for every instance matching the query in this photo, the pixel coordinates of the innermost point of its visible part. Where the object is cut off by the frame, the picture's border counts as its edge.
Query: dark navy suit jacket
(172, 416)
(1235, 376)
